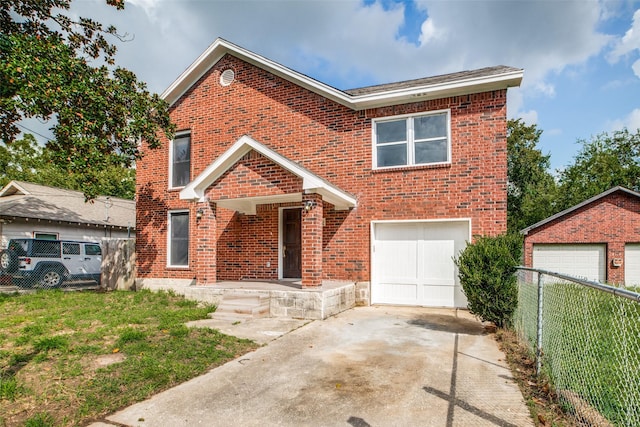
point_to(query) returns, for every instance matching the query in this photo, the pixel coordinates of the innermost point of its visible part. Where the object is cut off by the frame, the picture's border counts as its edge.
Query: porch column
(205, 244)
(311, 240)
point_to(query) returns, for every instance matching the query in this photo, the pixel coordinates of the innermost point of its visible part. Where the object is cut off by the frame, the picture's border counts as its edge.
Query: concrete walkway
(369, 366)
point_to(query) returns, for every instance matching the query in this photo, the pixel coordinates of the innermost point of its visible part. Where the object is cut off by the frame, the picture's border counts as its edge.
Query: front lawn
(67, 358)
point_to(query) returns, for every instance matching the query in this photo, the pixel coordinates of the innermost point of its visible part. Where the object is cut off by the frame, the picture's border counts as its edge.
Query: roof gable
(461, 83)
(310, 182)
(565, 212)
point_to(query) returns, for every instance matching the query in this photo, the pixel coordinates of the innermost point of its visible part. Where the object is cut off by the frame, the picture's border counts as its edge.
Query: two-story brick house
(273, 175)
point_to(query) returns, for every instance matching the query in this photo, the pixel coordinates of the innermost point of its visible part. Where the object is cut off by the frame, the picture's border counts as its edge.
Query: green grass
(54, 347)
(591, 346)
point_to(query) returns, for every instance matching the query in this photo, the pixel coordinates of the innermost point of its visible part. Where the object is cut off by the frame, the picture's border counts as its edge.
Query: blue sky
(581, 58)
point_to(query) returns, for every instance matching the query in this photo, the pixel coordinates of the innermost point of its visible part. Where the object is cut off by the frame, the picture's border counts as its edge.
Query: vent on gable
(227, 77)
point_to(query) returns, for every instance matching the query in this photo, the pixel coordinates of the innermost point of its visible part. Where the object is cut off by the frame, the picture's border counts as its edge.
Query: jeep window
(92, 250)
(45, 249)
(71, 248)
(19, 246)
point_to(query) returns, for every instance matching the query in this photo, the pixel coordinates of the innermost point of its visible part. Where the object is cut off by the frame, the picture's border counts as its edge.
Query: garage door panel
(585, 261)
(632, 264)
(435, 265)
(412, 263)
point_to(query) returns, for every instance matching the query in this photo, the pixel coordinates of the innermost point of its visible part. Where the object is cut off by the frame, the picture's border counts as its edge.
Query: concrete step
(242, 306)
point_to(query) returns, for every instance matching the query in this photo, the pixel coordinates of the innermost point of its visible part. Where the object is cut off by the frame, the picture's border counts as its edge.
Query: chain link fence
(47, 264)
(586, 338)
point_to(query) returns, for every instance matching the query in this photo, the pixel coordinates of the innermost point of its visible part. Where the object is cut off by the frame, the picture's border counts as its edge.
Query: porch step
(242, 306)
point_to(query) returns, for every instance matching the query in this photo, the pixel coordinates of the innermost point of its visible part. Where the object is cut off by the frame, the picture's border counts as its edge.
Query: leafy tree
(25, 160)
(531, 188)
(605, 161)
(55, 66)
(486, 270)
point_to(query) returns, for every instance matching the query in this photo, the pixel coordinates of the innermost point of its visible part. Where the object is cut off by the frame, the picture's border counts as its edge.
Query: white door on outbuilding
(632, 264)
(585, 261)
(412, 262)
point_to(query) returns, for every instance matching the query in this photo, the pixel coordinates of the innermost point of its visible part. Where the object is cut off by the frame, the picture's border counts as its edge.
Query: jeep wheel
(51, 279)
(8, 261)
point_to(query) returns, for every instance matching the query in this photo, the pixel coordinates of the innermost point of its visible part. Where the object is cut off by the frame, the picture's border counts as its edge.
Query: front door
(291, 243)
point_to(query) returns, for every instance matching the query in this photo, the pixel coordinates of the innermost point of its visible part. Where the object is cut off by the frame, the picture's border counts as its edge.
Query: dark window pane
(181, 148)
(181, 161)
(93, 250)
(434, 126)
(45, 248)
(71, 248)
(180, 174)
(431, 151)
(392, 155)
(179, 239)
(395, 131)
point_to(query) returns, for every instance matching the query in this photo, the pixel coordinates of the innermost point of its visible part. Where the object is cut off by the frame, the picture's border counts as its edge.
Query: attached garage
(587, 261)
(412, 262)
(632, 264)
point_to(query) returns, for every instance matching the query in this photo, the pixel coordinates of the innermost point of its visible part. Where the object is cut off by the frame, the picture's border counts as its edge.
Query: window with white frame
(45, 236)
(178, 253)
(411, 140)
(180, 167)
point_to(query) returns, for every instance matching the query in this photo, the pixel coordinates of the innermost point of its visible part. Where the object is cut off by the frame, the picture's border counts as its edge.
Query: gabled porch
(261, 216)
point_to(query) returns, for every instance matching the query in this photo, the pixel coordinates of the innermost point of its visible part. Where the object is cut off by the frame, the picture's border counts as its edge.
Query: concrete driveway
(369, 366)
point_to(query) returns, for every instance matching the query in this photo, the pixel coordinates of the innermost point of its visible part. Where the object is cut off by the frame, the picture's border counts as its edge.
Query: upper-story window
(180, 161)
(411, 140)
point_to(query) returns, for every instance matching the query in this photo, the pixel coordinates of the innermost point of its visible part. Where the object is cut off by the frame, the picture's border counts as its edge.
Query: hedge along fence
(586, 337)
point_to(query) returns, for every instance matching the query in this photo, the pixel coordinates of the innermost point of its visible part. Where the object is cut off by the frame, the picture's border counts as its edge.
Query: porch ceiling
(247, 205)
(311, 183)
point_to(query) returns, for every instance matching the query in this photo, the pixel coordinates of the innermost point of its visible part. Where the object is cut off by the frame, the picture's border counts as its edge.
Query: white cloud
(428, 32)
(629, 42)
(348, 44)
(529, 117)
(631, 121)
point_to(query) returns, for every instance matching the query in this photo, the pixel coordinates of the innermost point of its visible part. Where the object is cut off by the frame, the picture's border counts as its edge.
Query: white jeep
(49, 263)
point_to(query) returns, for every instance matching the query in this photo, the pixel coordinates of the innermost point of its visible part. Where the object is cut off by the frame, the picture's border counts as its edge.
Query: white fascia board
(220, 47)
(13, 185)
(195, 189)
(423, 93)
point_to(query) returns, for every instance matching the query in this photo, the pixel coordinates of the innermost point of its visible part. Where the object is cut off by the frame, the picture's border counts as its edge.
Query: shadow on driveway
(369, 366)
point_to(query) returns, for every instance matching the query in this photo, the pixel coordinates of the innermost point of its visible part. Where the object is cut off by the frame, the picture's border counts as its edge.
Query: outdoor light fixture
(309, 204)
(199, 214)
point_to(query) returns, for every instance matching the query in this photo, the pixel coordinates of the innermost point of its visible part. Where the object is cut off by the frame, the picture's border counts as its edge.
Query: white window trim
(169, 214)
(178, 135)
(410, 140)
(52, 233)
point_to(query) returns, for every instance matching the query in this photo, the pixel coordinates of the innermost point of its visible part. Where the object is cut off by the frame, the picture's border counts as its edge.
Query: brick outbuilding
(598, 239)
(275, 176)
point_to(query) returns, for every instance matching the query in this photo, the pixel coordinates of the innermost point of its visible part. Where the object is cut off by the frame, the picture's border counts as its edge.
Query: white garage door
(632, 264)
(585, 261)
(412, 263)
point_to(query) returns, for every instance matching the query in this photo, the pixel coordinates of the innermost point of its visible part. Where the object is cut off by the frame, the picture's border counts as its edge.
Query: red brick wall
(613, 220)
(335, 143)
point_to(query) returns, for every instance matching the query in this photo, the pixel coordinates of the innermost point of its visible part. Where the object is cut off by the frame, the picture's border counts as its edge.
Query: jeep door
(72, 259)
(92, 260)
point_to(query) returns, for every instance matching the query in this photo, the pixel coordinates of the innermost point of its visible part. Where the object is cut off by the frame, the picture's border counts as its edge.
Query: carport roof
(526, 231)
(19, 199)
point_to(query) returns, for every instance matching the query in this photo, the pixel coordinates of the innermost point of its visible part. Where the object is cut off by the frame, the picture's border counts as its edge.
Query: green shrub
(486, 270)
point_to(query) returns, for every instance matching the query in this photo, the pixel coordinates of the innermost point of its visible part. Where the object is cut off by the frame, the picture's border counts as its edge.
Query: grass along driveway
(70, 357)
